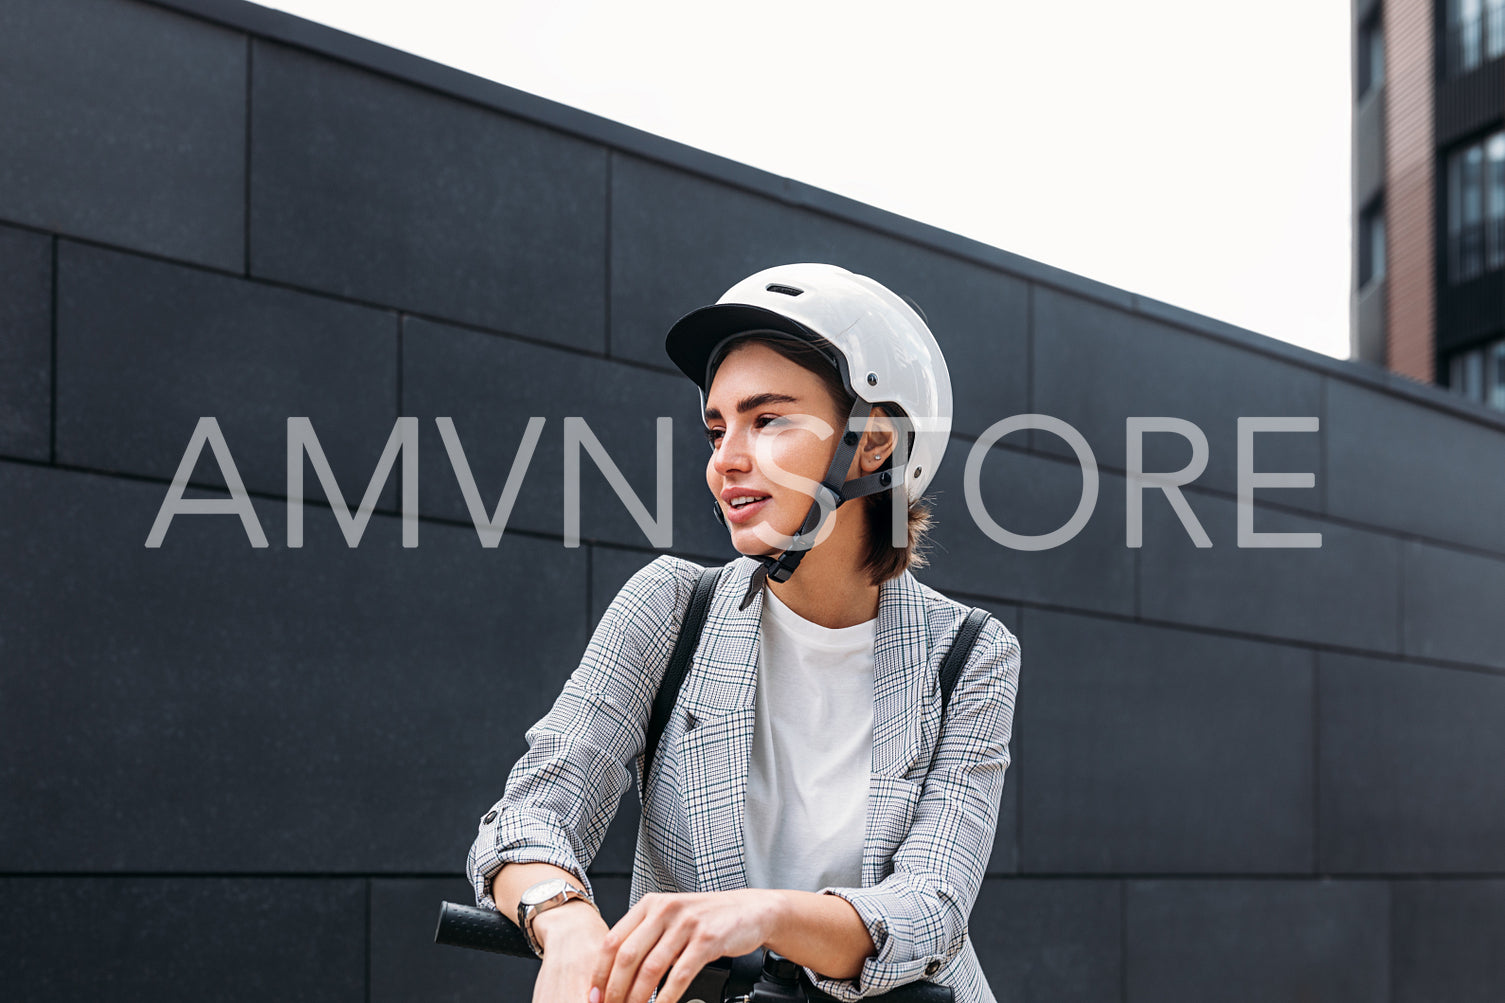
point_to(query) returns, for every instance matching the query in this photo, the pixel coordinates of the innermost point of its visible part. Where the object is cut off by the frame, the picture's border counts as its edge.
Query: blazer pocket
(891, 803)
(711, 754)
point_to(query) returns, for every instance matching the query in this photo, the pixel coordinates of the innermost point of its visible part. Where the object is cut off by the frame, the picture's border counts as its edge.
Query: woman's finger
(692, 959)
(656, 964)
(613, 940)
(630, 955)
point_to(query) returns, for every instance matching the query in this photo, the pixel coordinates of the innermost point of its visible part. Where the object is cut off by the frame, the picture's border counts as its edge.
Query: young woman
(808, 795)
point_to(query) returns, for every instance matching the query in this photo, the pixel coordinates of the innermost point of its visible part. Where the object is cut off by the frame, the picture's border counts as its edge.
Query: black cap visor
(695, 336)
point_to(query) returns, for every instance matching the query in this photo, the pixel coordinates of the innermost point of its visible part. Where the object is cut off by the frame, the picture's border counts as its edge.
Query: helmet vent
(775, 287)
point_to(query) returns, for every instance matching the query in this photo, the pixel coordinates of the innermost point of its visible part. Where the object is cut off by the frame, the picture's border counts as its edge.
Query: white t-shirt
(812, 752)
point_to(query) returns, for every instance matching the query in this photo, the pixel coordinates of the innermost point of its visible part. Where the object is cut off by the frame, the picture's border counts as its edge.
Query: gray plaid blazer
(932, 798)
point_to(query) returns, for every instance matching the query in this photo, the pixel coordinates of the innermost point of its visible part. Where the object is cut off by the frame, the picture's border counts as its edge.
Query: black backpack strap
(679, 663)
(961, 649)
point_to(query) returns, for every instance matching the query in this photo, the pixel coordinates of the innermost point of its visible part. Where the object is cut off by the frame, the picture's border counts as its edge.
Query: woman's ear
(877, 441)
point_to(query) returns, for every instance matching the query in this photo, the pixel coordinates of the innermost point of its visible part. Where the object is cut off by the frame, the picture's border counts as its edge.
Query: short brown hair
(883, 560)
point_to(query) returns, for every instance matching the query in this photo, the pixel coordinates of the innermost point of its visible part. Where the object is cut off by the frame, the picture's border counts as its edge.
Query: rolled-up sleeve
(561, 795)
(917, 916)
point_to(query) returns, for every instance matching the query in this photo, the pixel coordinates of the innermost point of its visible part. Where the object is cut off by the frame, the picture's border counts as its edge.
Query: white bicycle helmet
(883, 349)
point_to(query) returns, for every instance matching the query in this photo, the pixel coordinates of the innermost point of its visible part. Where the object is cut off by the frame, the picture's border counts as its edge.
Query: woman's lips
(743, 513)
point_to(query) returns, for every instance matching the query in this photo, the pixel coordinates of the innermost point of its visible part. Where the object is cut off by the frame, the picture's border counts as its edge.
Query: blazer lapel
(901, 688)
(901, 678)
(716, 747)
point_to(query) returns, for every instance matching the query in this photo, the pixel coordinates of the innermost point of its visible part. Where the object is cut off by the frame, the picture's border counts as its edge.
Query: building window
(1371, 244)
(1476, 208)
(1479, 374)
(1371, 55)
(1475, 34)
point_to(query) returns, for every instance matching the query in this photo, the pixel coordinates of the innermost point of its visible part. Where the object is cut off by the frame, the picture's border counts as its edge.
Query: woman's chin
(753, 547)
(751, 542)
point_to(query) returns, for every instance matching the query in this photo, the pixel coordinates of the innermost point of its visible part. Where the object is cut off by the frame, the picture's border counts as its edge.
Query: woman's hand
(679, 934)
(571, 937)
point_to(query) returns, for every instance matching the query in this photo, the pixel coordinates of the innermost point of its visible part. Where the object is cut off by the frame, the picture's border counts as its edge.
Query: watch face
(543, 891)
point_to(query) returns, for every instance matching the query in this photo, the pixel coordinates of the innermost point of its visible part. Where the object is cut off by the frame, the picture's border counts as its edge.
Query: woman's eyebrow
(747, 404)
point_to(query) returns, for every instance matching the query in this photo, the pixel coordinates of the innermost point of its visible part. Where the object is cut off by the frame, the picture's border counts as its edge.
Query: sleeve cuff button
(932, 968)
(490, 817)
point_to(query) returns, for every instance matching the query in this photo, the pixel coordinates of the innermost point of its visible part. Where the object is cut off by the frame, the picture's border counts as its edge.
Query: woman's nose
(732, 453)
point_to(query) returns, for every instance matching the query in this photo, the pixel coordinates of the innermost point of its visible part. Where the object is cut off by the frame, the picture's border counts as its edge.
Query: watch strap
(527, 913)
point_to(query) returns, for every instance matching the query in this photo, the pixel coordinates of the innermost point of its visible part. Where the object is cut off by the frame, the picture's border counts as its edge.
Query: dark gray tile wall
(1045, 941)
(1413, 469)
(1447, 940)
(234, 709)
(491, 386)
(1344, 592)
(157, 938)
(146, 348)
(1029, 495)
(1159, 750)
(1257, 941)
(125, 123)
(377, 189)
(1452, 605)
(1402, 772)
(1094, 367)
(305, 738)
(25, 344)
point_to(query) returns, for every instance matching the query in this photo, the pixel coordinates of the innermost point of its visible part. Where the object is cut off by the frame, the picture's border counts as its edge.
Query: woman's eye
(713, 435)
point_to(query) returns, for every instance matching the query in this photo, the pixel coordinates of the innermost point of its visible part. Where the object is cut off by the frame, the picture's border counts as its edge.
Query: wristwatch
(542, 897)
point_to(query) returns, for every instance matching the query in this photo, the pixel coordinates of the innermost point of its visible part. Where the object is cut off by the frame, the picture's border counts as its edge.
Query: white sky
(1196, 152)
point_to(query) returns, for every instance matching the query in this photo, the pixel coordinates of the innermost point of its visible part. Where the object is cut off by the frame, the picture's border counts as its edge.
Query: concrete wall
(239, 773)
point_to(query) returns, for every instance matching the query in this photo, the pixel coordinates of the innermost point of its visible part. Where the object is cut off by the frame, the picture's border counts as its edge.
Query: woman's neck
(829, 590)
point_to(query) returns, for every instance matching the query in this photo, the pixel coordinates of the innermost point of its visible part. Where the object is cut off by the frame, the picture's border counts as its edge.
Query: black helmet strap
(829, 495)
